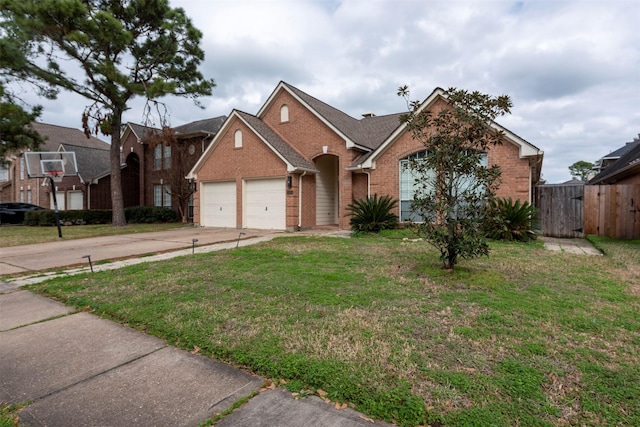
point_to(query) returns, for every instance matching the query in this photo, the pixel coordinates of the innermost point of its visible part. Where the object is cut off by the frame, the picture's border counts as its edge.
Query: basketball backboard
(54, 164)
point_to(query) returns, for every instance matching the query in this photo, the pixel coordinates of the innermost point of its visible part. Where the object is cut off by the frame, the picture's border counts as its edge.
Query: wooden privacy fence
(612, 210)
(560, 209)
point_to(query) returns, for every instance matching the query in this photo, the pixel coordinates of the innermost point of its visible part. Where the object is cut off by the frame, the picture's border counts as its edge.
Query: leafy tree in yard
(16, 131)
(581, 169)
(120, 48)
(373, 214)
(453, 187)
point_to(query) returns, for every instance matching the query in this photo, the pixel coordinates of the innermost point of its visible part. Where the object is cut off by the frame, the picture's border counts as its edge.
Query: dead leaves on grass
(272, 385)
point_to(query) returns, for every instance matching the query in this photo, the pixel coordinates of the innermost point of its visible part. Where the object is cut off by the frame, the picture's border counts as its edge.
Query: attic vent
(366, 115)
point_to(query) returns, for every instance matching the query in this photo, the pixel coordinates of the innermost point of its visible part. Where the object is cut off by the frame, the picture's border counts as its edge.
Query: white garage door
(266, 204)
(218, 204)
(74, 200)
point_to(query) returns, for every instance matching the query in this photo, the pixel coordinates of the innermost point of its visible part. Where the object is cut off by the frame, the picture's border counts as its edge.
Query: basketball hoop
(54, 169)
(56, 176)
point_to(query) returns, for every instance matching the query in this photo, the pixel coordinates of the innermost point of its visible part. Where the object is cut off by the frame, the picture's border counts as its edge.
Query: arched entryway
(327, 207)
(131, 181)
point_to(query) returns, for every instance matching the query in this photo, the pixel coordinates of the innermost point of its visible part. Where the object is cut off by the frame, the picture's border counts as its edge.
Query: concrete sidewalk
(574, 246)
(76, 369)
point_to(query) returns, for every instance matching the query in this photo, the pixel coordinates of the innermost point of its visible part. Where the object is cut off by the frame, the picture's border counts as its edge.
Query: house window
(29, 197)
(22, 168)
(409, 184)
(411, 181)
(162, 157)
(190, 206)
(284, 114)
(21, 196)
(237, 137)
(166, 157)
(157, 157)
(162, 195)
(4, 172)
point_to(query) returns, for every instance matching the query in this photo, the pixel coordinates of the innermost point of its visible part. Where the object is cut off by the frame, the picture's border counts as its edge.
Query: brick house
(74, 192)
(299, 162)
(151, 165)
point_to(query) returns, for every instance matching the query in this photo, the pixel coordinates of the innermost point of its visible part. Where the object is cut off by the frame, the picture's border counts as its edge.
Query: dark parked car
(13, 212)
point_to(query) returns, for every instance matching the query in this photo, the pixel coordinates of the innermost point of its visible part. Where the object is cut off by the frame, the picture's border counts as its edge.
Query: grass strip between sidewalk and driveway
(524, 337)
(15, 235)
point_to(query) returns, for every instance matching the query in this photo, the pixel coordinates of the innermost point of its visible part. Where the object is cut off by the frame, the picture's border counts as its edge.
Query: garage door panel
(218, 207)
(266, 204)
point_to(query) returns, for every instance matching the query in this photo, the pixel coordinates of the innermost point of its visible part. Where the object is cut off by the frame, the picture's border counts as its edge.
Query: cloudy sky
(572, 68)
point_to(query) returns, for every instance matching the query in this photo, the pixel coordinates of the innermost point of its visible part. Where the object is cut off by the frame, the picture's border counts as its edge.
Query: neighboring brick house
(74, 192)
(150, 165)
(299, 162)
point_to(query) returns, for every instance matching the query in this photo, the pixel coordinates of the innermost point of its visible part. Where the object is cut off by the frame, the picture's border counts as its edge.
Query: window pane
(167, 196)
(157, 157)
(157, 195)
(167, 157)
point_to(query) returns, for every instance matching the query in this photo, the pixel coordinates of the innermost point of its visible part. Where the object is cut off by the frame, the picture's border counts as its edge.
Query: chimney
(368, 115)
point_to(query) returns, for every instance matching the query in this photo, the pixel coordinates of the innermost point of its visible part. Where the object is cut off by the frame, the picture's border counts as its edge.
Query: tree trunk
(117, 201)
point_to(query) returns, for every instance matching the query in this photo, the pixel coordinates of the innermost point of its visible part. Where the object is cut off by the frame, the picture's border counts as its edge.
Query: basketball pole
(55, 206)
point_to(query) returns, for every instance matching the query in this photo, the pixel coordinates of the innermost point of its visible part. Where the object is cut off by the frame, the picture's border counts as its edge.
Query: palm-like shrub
(509, 220)
(373, 214)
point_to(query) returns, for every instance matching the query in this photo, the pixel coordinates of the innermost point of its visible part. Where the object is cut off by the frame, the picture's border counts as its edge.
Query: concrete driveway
(69, 253)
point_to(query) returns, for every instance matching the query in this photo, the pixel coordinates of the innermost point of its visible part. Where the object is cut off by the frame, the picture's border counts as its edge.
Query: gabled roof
(204, 127)
(368, 159)
(366, 133)
(92, 154)
(141, 132)
(616, 154)
(627, 164)
(92, 163)
(294, 160)
(374, 134)
(209, 126)
(56, 135)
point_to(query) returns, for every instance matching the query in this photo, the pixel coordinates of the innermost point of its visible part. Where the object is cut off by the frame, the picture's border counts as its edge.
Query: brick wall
(253, 160)
(385, 178)
(312, 138)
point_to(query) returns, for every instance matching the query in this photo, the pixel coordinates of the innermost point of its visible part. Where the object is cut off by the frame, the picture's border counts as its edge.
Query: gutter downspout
(300, 200)
(368, 182)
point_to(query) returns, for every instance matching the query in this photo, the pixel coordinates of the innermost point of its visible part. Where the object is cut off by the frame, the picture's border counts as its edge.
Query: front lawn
(525, 337)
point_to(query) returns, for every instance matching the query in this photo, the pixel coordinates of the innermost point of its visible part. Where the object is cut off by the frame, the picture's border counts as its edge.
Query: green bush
(373, 214)
(150, 215)
(509, 220)
(136, 214)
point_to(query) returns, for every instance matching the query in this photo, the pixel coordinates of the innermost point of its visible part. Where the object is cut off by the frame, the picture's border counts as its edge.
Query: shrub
(149, 214)
(373, 214)
(509, 220)
(136, 214)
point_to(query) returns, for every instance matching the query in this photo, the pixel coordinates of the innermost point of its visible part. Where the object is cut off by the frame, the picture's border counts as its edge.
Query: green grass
(525, 337)
(23, 235)
(9, 414)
